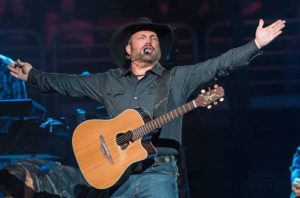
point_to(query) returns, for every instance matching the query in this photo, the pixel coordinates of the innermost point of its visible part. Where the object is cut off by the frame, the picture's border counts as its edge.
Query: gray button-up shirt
(118, 89)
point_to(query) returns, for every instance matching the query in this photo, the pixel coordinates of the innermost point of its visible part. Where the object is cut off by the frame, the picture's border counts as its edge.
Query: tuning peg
(215, 86)
(203, 91)
(215, 103)
(209, 107)
(221, 99)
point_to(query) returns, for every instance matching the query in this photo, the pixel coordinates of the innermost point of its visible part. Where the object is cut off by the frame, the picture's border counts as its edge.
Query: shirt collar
(157, 69)
(125, 71)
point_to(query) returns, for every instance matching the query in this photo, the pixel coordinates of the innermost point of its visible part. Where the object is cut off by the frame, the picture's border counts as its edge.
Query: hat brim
(120, 38)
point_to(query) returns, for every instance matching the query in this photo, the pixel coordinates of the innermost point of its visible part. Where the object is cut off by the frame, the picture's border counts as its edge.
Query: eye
(154, 38)
(141, 37)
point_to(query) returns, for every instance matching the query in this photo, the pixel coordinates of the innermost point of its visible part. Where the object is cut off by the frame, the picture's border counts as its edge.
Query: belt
(164, 158)
(143, 165)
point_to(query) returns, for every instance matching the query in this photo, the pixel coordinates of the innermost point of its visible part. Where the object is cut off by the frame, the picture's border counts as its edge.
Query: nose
(148, 40)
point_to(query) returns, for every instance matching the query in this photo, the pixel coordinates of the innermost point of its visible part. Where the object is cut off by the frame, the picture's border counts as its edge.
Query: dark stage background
(241, 148)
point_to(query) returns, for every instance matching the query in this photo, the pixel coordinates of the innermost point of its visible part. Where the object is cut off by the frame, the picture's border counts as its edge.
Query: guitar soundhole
(124, 139)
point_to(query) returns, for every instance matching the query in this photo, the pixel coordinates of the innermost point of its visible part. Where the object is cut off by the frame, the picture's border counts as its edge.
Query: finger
(296, 181)
(277, 23)
(261, 23)
(12, 68)
(14, 75)
(278, 27)
(20, 63)
(295, 188)
(277, 34)
(15, 70)
(274, 35)
(11, 64)
(296, 191)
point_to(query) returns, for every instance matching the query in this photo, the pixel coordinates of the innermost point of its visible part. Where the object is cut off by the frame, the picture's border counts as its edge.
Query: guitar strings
(151, 125)
(142, 130)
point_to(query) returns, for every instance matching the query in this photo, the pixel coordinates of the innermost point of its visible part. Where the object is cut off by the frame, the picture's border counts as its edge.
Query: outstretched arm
(191, 77)
(73, 85)
(265, 35)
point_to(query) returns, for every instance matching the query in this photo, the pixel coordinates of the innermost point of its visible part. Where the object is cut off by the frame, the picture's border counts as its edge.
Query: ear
(128, 49)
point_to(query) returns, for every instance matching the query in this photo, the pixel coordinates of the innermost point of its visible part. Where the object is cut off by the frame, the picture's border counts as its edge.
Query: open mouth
(148, 50)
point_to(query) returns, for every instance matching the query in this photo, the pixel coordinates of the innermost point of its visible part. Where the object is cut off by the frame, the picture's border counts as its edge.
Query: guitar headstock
(212, 96)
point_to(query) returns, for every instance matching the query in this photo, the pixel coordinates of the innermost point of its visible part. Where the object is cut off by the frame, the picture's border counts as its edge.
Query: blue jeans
(159, 180)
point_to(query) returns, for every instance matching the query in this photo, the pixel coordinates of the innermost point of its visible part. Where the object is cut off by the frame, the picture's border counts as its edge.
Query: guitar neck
(162, 120)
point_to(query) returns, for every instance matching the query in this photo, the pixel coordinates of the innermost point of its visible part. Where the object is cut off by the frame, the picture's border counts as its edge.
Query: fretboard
(162, 120)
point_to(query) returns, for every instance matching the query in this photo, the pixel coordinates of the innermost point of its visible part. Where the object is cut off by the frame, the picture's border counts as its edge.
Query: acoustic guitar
(104, 149)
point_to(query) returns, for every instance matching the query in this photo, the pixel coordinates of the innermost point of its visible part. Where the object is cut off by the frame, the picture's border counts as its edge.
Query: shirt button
(135, 97)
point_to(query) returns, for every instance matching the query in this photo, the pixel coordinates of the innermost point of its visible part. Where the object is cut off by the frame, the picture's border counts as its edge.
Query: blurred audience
(252, 9)
(64, 16)
(295, 175)
(43, 178)
(18, 14)
(3, 13)
(10, 88)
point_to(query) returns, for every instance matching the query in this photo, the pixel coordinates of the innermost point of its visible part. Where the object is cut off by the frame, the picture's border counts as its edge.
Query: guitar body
(100, 157)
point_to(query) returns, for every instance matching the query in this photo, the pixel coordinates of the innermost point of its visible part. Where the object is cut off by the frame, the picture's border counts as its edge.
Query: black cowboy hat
(120, 38)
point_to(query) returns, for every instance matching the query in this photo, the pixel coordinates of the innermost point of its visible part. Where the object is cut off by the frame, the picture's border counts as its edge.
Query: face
(143, 46)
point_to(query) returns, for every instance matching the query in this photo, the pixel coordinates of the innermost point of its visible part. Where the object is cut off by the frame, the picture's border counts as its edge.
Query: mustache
(148, 47)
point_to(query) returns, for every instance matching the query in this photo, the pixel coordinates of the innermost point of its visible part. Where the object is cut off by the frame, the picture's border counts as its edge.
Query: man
(10, 88)
(138, 49)
(295, 174)
(43, 178)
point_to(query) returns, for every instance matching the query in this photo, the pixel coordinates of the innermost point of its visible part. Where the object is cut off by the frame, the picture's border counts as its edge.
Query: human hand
(296, 186)
(264, 35)
(20, 69)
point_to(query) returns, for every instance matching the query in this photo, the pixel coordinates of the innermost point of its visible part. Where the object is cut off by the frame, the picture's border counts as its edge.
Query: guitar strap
(160, 105)
(161, 100)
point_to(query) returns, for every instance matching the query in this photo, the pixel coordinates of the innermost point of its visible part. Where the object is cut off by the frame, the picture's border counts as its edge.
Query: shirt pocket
(151, 90)
(114, 92)
(117, 99)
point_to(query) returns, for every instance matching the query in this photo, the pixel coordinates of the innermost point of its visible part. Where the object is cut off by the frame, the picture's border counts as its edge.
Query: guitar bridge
(105, 150)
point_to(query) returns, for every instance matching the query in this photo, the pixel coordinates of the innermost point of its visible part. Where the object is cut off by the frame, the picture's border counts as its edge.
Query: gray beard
(150, 59)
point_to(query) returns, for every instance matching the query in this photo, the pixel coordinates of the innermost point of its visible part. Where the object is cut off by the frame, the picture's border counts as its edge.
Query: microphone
(18, 65)
(147, 50)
